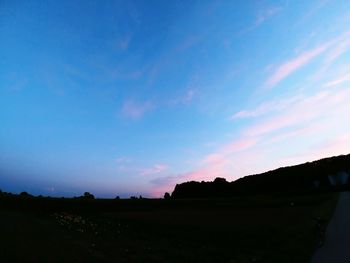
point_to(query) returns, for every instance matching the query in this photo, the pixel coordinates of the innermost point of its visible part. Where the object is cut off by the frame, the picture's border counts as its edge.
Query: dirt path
(336, 246)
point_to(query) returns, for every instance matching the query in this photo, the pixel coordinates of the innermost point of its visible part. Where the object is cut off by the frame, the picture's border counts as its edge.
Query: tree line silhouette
(329, 174)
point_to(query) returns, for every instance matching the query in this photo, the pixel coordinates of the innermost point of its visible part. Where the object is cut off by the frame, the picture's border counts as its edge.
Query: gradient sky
(131, 97)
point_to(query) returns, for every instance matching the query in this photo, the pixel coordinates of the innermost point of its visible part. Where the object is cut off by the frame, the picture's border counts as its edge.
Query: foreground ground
(336, 247)
(243, 229)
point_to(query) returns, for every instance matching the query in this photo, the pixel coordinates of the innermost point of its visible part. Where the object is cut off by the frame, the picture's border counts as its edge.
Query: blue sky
(131, 97)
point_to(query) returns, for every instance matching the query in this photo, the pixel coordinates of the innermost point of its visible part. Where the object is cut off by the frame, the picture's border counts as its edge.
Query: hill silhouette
(328, 174)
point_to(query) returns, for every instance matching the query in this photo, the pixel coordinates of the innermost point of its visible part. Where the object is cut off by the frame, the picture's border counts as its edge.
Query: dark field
(265, 228)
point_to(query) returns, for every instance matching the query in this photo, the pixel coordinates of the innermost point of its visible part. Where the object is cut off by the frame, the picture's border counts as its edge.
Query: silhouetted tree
(25, 194)
(117, 197)
(219, 180)
(87, 195)
(166, 195)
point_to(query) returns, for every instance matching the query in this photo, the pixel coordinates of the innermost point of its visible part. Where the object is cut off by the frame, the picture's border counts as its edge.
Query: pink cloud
(335, 48)
(337, 146)
(162, 185)
(239, 145)
(167, 183)
(300, 132)
(303, 110)
(288, 67)
(135, 110)
(213, 158)
(338, 81)
(213, 165)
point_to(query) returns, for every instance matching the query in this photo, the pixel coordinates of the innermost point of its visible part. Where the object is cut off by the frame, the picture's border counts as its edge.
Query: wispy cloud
(156, 169)
(238, 145)
(123, 159)
(338, 81)
(163, 184)
(302, 111)
(262, 16)
(186, 98)
(127, 75)
(339, 49)
(187, 43)
(265, 108)
(165, 181)
(211, 166)
(339, 145)
(315, 8)
(336, 146)
(332, 48)
(265, 14)
(290, 66)
(17, 86)
(123, 43)
(136, 110)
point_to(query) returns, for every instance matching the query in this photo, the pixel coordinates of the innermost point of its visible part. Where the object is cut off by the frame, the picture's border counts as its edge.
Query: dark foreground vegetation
(325, 175)
(261, 218)
(259, 228)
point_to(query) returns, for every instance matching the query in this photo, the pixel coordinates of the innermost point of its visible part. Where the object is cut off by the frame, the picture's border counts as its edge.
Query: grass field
(265, 228)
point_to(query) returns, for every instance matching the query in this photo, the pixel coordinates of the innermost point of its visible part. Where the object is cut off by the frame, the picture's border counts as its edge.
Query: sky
(132, 97)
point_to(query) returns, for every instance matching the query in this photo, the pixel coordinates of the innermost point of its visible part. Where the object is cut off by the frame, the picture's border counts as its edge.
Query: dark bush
(87, 195)
(166, 195)
(25, 194)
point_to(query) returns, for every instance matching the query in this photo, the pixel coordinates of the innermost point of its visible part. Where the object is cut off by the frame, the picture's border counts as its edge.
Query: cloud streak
(186, 98)
(290, 66)
(265, 14)
(123, 159)
(335, 48)
(135, 110)
(265, 108)
(338, 50)
(262, 16)
(338, 81)
(156, 169)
